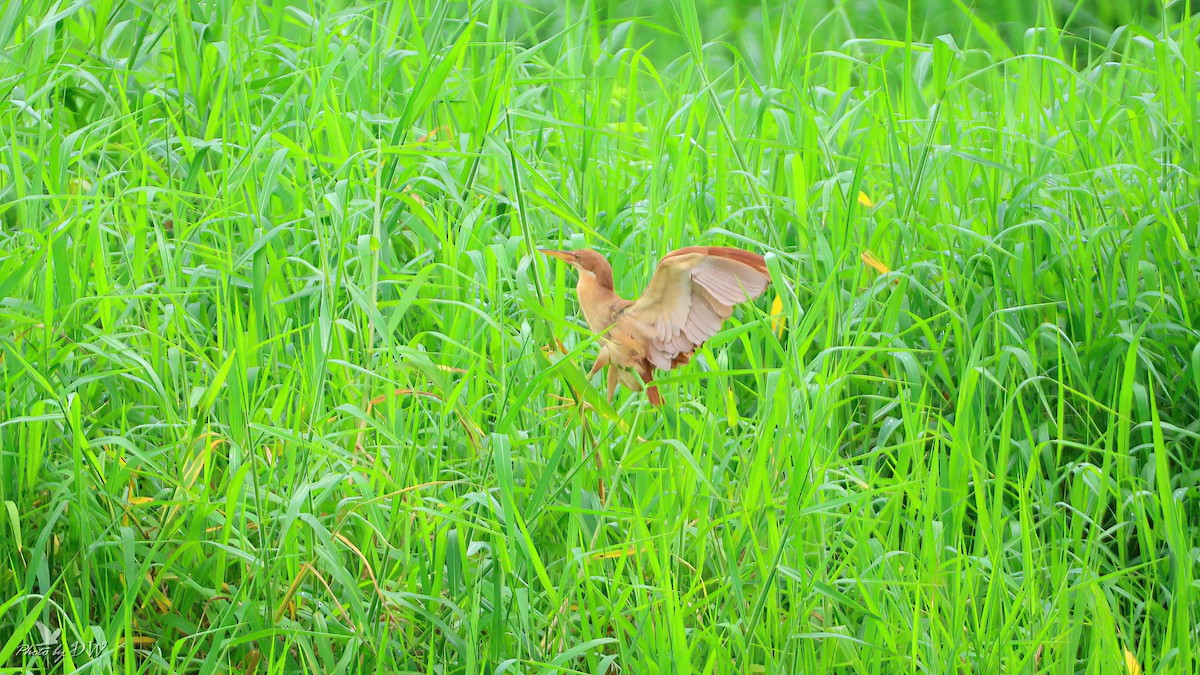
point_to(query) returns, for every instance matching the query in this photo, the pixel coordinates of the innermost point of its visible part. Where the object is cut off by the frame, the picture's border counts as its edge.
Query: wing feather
(690, 297)
(705, 318)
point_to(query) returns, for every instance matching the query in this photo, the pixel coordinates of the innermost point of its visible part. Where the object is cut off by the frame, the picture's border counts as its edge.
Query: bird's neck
(597, 299)
(602, 277)
(596, 281)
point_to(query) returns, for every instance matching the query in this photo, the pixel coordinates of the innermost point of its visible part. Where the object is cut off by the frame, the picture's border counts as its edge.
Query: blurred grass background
(285, 387)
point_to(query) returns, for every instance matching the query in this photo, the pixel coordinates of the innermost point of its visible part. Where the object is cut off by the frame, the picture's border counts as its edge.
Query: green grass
(279, 385)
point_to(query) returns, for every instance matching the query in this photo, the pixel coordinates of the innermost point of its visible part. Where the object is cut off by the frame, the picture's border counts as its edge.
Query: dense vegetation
(286, 386)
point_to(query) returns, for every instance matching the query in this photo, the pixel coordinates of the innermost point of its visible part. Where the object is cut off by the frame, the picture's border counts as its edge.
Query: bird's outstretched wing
(692, 293)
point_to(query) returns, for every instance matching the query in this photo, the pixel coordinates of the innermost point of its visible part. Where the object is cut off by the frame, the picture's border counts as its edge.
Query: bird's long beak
(561, 255)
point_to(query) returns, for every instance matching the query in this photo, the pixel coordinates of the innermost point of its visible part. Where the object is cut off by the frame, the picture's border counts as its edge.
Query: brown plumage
(690, 296)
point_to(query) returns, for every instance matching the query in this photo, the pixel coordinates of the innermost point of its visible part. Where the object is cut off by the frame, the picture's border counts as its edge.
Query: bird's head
(584, 259)
(589, 263)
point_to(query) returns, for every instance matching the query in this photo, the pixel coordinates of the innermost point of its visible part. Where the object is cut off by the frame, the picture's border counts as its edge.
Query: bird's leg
(601, 361)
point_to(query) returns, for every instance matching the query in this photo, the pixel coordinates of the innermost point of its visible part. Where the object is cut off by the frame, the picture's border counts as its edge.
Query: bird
(692, 293)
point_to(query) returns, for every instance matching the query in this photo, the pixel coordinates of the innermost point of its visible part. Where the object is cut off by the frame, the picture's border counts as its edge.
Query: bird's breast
(600, 306)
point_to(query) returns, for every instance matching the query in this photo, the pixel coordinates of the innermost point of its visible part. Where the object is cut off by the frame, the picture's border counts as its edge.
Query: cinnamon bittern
(690, 296)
